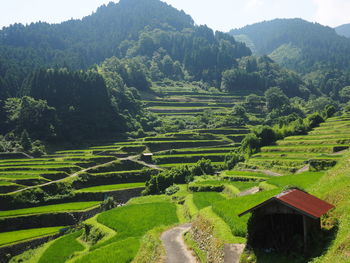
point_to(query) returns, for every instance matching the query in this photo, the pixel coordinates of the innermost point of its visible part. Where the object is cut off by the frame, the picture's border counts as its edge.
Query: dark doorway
(276, 232)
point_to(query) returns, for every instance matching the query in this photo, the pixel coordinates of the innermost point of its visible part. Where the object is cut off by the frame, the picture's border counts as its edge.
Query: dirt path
(249, 191)
(131, 158)
(135, 159)
(267, 172)
(59, 180)
(176, 250)
(303, 169)
(233, 252)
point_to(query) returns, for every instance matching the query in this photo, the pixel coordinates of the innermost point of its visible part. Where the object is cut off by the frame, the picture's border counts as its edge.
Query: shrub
(108, 204)
(314, 120)
(250, 144)
(159, 183)
(232, 159)
(266, 135)
(202, 167)
(206, 188)
(172, 190)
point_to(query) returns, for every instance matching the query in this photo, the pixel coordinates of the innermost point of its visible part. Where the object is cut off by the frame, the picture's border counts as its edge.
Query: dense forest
(298, 44)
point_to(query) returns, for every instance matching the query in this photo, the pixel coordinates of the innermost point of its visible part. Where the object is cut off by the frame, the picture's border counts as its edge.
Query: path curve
(176, 249)
(267, 172)
(250, 191)
(62, 179)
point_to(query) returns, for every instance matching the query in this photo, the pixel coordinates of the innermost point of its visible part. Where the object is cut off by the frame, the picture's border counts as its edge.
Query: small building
(286, 222)
(147, 157)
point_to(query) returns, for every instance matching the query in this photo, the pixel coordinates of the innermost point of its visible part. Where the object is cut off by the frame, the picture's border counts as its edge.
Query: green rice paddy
(76, 206)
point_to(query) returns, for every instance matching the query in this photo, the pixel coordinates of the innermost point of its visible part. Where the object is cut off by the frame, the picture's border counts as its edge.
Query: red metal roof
(300, 201)
(305, 202)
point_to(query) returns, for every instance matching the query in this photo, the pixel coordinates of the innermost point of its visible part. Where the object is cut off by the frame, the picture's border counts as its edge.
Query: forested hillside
(83, 77)
(298, 44)
(343, 30)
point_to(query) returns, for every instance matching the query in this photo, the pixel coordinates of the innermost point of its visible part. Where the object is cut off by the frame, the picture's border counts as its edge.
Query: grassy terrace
(317, 148)
(76, 206)
(319, 137)
(114, 187)
(167, 159)
(22, 235)
(244, 174)
(40, 167)
(295, 151)
(197, 151)
(170, 165)
(116, 172)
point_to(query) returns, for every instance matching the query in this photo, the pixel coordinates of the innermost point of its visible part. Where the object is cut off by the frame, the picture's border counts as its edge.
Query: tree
(250, 144)
(25, 141)
(265, 134)
(344, 94)
(275, 98)
(34, 116)
(314, 120)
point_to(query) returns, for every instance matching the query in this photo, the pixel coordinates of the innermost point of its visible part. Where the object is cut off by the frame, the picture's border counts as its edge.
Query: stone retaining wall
(6, 253)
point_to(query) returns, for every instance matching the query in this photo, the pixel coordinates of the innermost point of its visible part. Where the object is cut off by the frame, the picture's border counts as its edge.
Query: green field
(126, 220)
(205, 199)
(22, 235)
(105, 188)
(77, 206)
(61, 249)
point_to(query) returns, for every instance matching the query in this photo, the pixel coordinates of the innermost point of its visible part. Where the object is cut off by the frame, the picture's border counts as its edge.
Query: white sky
(218, 14)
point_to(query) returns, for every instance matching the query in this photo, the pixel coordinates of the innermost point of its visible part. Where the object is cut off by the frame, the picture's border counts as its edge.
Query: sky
(220, 15)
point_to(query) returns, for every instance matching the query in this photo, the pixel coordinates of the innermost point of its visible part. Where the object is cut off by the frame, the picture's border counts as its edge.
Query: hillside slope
(298, 44)
(343, 30)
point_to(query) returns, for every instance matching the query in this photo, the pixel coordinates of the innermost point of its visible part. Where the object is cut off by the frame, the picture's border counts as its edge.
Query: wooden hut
(286, 222)
(147, 157)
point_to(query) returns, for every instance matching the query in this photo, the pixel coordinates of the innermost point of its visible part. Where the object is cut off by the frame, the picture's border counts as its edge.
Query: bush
(172, 190)
(266, 135)
(232, 159)
(203, 167)
(206, 188)
(108, 204)
(314, 120)
(159, 183)
(250, 144)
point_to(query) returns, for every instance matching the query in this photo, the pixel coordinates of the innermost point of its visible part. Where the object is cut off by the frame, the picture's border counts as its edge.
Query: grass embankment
(334, 188)
(8, 238)
(66, 207)
(114, 187)
(61, 249)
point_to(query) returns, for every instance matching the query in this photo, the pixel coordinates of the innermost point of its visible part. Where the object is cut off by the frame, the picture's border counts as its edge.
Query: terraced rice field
(321, 148)
(97, 171)
(23, 235)
(76, 206)
(121, 232)
(190, 100)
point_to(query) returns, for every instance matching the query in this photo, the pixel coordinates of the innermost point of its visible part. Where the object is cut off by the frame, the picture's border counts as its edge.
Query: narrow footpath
(176, 249)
